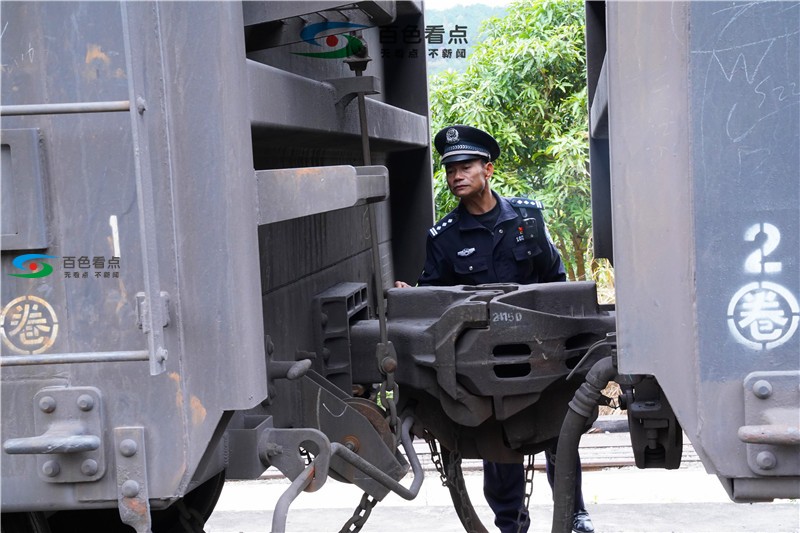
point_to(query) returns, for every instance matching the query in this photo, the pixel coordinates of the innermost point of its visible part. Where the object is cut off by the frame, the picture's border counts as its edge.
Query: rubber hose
(580, 409)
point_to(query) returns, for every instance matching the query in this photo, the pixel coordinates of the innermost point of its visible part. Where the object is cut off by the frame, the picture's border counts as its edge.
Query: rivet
(501, 231)
(130, 489)
(470, 268)
(141, 105)
(51, 469)
(128, 447)
(530, 253)
(766, 460)
(89, 467)
(47, 404)
(161, 355)
(762, 389)
(85, 402)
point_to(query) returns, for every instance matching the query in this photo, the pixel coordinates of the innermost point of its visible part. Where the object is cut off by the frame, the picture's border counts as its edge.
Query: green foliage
(525, 83)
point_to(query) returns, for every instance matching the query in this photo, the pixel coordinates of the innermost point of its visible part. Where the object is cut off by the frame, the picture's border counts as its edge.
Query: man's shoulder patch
(525, 202)
(447, 222)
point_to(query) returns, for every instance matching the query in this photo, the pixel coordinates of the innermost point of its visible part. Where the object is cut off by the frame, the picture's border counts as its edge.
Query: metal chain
(435, 457)
(360, 515)
(457, 481)
(527, 500)
(190, 518)
(389, 391)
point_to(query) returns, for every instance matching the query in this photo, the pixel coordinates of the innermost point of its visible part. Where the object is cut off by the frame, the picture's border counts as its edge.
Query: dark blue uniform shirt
(461, 251)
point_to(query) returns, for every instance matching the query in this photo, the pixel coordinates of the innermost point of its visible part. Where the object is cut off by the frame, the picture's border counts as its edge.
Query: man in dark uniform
(490, 239)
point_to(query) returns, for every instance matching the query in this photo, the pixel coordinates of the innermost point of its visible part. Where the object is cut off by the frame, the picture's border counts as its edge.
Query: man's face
(468, 178)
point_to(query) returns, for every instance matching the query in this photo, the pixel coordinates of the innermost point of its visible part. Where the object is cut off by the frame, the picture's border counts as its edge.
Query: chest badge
(466, 252)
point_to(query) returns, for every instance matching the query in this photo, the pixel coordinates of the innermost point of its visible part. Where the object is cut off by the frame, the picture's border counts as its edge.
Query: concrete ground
(619, 499)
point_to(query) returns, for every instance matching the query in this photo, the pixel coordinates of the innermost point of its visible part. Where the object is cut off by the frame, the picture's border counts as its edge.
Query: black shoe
(581, 523)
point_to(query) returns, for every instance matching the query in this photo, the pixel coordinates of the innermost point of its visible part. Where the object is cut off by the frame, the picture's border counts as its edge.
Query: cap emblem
(452, 136)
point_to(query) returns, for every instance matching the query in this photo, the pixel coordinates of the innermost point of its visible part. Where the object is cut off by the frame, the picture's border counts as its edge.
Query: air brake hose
(581, 408)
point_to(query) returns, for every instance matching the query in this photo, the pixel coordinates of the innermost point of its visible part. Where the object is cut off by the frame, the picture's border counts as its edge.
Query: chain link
(454, 478)
(389, 391)
(435, 457)
(360, 515)
(523, 518)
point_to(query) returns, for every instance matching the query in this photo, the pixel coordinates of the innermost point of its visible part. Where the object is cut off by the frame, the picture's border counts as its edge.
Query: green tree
(525, 83)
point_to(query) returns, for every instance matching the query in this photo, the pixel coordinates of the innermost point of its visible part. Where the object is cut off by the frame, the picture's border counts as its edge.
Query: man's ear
(489, 169)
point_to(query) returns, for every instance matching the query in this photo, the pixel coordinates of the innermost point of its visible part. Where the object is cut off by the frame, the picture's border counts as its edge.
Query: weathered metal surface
(203, 198)
(771, 429)
(487, 365)
(24, 184)
(281, 448)
(69, 430)
(131, 477)
(286, 194)
(334, 310)
(706, 225)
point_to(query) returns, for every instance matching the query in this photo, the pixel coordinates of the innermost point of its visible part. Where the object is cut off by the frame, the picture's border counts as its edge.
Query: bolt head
(47, 404)
(89, 467)
(85, 402)
(762, 389)
(388, 365)
(51, 468)
(128, 447)
(766, 460)
(130, 489)
(351, 443)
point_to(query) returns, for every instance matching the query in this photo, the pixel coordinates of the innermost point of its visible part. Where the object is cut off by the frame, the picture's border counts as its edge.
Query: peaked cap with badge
(462, 143)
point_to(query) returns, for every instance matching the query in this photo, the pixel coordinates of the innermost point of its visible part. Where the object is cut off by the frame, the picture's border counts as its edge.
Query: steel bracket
(333, 311)
(143, 311)
(132, 494)
(348, 88)
(69, 442)
(771, 431)
(281, 448)
(656, 435)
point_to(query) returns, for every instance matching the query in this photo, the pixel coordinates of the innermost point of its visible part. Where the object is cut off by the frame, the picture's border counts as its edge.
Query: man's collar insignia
(466, 251)
(452, 136)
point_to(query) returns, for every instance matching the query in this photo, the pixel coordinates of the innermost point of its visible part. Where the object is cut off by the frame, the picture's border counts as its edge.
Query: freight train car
(204, 205)
(695, 125)
(180, 179)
